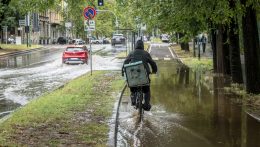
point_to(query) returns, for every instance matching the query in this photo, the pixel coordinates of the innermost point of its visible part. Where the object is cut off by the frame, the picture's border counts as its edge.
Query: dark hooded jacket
(139, 54)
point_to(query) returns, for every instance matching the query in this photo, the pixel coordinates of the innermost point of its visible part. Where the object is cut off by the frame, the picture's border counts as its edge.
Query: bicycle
(136, 76)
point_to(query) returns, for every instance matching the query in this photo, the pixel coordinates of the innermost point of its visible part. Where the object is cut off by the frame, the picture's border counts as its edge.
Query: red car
(75, 55)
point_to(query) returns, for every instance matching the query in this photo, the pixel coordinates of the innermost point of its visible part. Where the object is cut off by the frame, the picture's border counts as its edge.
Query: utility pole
(27, 29)
(5, 30)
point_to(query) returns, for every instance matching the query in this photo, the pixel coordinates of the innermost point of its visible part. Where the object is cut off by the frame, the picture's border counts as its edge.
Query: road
(25, 77)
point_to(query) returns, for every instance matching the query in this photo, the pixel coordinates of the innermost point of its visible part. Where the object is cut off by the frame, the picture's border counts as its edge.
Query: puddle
(186, 112)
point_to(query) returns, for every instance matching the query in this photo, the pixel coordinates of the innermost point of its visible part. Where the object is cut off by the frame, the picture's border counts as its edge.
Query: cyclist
(139, 54)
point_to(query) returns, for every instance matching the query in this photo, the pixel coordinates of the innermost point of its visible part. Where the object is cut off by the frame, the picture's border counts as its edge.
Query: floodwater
(28, 76)
(186, 112)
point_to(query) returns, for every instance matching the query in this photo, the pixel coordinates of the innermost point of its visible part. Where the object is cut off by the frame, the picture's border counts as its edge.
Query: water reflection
(29, 58)
(189, 112)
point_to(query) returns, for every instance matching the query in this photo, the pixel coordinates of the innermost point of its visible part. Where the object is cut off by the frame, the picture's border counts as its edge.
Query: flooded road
(186, 112)
(25, 77)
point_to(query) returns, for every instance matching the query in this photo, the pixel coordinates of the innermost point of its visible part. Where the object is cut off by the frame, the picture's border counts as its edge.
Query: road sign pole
(90, 48)
(89, 13)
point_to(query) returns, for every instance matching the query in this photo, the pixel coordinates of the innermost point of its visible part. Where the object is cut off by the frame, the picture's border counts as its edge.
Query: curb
(117, 115)
(176, 55)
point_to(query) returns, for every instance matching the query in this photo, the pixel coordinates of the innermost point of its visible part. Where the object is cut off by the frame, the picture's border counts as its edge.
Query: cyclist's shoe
(147, 107)
(133, 100)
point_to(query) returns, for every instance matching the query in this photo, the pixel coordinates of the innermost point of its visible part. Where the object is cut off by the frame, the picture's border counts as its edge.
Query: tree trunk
(194, 48)
(226, 52)
(235, 62)
(181, 43)
(213, 45)
(251, 47)
(223, 63)
(184, 45)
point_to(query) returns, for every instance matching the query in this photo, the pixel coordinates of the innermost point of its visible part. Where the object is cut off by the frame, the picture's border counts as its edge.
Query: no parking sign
(89, 12)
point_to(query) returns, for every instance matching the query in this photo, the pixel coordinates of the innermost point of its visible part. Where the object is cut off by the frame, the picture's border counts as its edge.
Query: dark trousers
(146, 91)
(204, 47)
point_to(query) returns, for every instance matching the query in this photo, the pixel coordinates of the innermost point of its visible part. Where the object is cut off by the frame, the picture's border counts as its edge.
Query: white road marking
(155, 58)
(171, 52)
(166, 58)
(150, 48)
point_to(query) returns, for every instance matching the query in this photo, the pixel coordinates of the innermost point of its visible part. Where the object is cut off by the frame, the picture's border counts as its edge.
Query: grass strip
(75, 115)
(204, 64)
(18, 47)
(9, 48)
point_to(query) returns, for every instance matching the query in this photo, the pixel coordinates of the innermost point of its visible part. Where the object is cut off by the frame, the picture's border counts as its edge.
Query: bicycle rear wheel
(140, 105)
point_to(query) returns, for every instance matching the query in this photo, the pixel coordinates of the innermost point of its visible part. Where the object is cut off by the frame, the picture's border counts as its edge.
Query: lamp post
(5, 30)
(113, 14)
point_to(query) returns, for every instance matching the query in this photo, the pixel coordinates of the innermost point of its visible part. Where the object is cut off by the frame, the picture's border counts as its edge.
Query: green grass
(196, 64)
(193, 62)
(79, 110)
(18, 47)
(182, 53)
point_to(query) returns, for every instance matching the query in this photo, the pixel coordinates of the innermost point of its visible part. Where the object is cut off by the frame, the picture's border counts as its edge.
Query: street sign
(143, 27)
(89, 12)
(21, 22)
(89, 25)
(68, 24)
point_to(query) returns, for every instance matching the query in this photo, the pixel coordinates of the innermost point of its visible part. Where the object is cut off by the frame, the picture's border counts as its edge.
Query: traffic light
(100, 2)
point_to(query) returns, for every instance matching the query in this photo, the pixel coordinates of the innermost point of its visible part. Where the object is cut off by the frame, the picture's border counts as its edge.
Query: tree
(192, 17)
(251, 46)
(235, 61)
(7, 15)
(25, 6)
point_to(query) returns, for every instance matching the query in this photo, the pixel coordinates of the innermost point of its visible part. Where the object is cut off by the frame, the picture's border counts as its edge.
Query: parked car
(79, 41)
(62, 40)
(118, 39)
(106, 41)
(96, 41)
(11, 39)
(165, 38)
(75, 55)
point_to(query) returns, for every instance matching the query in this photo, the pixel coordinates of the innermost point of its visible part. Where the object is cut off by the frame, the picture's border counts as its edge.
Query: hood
(139, 45)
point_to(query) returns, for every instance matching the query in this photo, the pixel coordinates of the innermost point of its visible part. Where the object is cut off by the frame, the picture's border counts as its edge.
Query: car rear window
(74, 49)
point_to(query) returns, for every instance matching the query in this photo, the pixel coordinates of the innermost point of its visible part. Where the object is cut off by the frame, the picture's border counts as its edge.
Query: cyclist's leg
(147, 94)
(133, 96)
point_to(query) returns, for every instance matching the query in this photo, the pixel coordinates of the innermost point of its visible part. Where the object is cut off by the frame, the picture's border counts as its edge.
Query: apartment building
(46, 27)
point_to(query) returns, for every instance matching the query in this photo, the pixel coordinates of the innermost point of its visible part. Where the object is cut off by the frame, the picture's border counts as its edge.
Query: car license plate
(73, 58)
